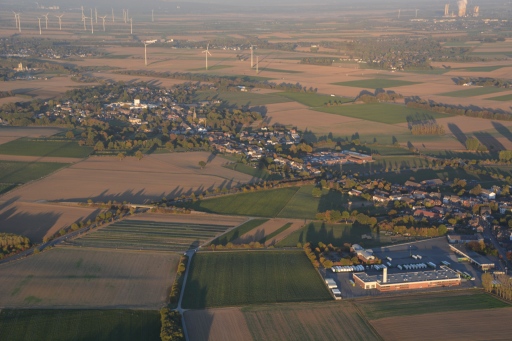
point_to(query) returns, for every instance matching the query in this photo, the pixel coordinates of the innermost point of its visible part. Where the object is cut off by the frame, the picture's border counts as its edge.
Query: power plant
(462, 7)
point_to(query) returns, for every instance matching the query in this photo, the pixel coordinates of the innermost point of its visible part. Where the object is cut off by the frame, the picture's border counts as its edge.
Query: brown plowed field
(37, 220)
(153, 177)
(296, 225)
(261, 231)
(74, 277)
(17, 132)
(223, 324)
(491, 324)
(308, 321)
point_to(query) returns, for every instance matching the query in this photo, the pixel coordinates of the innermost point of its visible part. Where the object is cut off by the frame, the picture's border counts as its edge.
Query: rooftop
(475, 257)
(409, 277)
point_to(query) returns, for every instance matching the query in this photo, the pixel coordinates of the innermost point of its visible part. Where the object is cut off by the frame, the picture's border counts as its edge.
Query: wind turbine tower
(16, 18)
(46, 17)
(131, 25)
(39, 19)
(399, 13)
(113, 18)
(146, 43)
(252, 50)
(96, 14)
(82, 7)
(103, 22)
(257, 64)
(152, 15)
(60, 21)
(206, 53)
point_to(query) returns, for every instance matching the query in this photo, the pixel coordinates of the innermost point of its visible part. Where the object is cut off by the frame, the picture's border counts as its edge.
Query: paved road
(190, 254)
(502, 252)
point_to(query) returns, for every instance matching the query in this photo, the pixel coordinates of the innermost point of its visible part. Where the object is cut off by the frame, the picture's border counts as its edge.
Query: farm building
(481, 261)
(408, 281)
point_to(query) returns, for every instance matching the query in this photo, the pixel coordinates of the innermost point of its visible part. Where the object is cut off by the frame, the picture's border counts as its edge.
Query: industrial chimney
(385, 275)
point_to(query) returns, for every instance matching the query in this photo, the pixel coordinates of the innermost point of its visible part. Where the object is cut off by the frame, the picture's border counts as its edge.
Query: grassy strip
(238, 231)
(376, 83)
(275, 233)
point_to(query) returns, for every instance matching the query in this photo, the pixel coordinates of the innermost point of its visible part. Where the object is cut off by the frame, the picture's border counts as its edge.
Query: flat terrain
(220, 324)
(70, 277)
(376, 83)
(13, 133)
(471, 325)
(308, 321)
(85, 325)
(238, 278)
(151, 235)
(235, 235)
(37, 220)
(152, 178)
(18, 172)
(266, 231)
(31, 147)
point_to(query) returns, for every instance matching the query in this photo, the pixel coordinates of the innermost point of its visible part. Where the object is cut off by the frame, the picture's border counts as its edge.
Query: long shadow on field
(489, 141)
(195, 295)
(500, 128)
(459, 134)
(199, 324)
(33, 226)
(260, 233)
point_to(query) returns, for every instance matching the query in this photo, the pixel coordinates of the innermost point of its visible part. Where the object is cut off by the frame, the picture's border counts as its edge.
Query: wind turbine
(96, 14)
(252, 49)
(92, 26)
(145, 52)
(103, 22)
(46, 16)
(124, 15)
(257, 64)
(416, 13)
(131, 25)
(113, 18)
(399, 13)
(206, 53)
(82, 7)
(15, 18)
(19, 22)
(60, 21)
(83, 19)
(39, 19)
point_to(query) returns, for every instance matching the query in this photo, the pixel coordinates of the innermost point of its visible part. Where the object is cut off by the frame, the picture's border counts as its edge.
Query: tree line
(171, 325)
(11, 244)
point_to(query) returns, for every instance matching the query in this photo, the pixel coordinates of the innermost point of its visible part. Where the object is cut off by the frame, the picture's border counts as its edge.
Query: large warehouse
(407, 281)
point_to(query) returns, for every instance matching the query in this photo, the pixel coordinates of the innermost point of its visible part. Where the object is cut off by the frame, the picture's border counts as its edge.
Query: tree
(472, 144)
(316, 192)
(139, 155)
(70, 135)
(121, 156)
(202, 164)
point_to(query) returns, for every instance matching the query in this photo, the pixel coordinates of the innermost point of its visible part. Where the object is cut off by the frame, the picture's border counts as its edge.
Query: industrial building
(481, 261)
(407, 281)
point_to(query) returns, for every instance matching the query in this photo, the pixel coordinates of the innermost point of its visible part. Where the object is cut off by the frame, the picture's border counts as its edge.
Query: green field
(83, 325)
(434, 71)
(259, 204)
(238, 231)
(240, 99)
(377, 83)
(32, 147)
(335, 234)
(151, 235)
(503, 98)
(428, 303)
(243, 278)
(304, 206)
(13, 172)
(253, 171)
(380, 112)
(311, 99)
(472, 91)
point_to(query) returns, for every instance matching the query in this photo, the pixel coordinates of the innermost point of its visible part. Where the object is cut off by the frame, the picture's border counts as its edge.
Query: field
(470, 325)
(376, 83)
(151, 235)
(85, 325)
(13, 133)
(270, 231)
(428, 303)
(503, 98)
(476, 91)
(382, 113)
(311, 99)
(15, 172)
(259, 204)
(70, 277)
(256, 172)
(238, 232)
(31, 147)
(250, 99)
(308, 321)
(240, 278)
(220, 324)
(315, 232)
(108, 178)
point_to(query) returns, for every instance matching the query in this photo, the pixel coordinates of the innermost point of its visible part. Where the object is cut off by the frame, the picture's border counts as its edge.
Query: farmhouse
(406, 281)
(481, 261)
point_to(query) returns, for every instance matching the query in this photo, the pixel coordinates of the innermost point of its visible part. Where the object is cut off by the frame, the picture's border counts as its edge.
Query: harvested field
(376, 83)
(470, 325)
(221, 324)
(228, 278)
(85, 325)
(428, 303)
(152, 178)
(32, 147)
(151, 235)
(13, 133)
(38, 220)
(308, 321)
(43, 89)
(88, 278)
